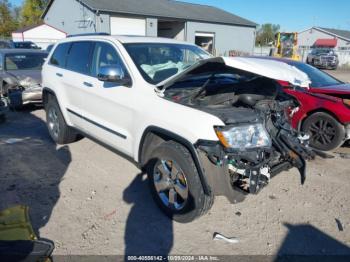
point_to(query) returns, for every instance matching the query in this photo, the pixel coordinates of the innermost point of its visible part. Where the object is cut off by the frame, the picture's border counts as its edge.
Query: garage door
(128, 26)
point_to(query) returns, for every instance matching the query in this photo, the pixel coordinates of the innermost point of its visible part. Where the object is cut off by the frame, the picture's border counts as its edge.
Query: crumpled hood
(268, 68)
(26, 78)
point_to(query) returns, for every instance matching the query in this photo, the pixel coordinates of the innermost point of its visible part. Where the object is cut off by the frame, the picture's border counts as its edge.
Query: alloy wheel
(171, 184)
(53, 122)
(322, 132)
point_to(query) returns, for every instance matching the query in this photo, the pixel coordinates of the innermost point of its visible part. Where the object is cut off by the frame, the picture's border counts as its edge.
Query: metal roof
(165, 9)
(26, 28)
(337, 32)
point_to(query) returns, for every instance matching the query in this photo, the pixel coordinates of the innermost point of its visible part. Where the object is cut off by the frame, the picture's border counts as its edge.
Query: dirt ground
(343, 75)
(91, 201)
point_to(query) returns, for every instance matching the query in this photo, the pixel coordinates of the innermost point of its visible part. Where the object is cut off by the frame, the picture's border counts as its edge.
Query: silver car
(323, 58)
(20, 75)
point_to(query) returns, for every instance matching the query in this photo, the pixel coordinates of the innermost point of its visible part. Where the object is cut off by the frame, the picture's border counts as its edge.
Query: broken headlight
(244, 136)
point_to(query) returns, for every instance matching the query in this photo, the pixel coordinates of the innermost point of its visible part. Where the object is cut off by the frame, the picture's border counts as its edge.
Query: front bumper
(325, 64)
(236, 174)
(31, 95)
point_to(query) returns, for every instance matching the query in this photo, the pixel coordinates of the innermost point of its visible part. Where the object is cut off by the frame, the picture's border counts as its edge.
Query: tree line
(265, 34)
(15, 17)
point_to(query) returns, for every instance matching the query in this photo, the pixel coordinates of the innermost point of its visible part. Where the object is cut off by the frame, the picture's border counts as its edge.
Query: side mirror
(113, 74)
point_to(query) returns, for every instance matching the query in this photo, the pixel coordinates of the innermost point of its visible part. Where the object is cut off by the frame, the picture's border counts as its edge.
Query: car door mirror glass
(114, 74)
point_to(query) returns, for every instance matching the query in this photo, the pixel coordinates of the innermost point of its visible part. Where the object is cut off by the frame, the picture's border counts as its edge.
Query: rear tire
(59, 131)
(325, 131)
(166, 161)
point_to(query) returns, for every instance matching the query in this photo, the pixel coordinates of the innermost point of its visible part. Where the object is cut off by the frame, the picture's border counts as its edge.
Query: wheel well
(150, 141)
(46, 94)
(154, 136)
(319, 110)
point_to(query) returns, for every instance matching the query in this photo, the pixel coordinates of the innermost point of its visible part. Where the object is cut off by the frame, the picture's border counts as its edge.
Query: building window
(205, 41)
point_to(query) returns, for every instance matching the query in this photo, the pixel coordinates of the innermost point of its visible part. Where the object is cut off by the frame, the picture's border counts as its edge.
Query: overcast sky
(293, 15)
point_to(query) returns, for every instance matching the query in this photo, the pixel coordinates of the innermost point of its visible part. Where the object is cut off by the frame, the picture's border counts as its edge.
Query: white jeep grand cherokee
(199, 126)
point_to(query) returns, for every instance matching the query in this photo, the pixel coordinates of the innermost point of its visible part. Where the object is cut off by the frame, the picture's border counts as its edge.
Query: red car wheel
(325, 131)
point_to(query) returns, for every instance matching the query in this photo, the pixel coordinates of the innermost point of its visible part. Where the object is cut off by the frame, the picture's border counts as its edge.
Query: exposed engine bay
(256, 112)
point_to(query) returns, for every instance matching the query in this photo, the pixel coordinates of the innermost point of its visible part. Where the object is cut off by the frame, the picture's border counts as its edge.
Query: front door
(106, 106)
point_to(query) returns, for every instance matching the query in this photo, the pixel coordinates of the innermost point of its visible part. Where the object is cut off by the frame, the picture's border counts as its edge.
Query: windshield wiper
(203, 87)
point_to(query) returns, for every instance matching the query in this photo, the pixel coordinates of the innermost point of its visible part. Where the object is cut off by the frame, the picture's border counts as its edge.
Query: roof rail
(87, 34)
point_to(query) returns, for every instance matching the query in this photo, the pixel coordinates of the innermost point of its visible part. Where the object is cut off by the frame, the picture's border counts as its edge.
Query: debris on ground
(85, 234)
(110, 215)
(339, 224)
(238, 213)
(343, 155)
(232, 240)
(93, 193)
(272, 197)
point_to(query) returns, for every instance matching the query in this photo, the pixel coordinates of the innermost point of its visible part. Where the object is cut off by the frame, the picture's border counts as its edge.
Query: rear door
(74, 79)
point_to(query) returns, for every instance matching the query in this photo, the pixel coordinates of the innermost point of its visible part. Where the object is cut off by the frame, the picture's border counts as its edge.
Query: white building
(42, 35)
(312, 36)
(214, 29)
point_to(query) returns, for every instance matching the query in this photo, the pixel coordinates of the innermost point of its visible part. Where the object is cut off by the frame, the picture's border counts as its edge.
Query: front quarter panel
(186, 122)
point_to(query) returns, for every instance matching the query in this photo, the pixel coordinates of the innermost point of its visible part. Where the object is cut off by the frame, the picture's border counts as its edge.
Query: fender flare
(183, 141)
(49, 91)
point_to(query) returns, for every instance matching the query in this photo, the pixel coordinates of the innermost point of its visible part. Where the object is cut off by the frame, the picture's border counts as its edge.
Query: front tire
(59, 131)
(175, 184)
(325, 131)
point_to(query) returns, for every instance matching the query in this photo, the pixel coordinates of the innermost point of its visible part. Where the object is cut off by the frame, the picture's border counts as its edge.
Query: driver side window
(105, 55)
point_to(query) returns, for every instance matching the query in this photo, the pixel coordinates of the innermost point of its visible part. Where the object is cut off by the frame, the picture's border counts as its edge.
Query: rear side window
(59, 56)
(79, 57)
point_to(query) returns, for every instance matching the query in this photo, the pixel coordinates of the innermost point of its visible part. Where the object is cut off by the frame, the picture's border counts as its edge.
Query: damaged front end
(269, 147)
(257, 141)
(22, 87)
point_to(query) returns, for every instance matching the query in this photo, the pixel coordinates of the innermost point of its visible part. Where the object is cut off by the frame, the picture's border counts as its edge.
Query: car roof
(21, 51)
(125, 39)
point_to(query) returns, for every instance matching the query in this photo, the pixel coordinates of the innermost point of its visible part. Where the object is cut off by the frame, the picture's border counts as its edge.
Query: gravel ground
(91, 201)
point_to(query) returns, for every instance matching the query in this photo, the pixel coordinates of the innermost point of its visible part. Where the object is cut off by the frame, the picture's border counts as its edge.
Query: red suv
(324, 110)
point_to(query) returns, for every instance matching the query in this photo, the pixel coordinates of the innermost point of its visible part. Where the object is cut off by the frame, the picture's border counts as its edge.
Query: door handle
(88, 84)
(59, 74)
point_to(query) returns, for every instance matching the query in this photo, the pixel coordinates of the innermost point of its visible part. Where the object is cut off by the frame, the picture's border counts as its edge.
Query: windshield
(318, 78)
(157, 61)
(24, 61)
(322, 51)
